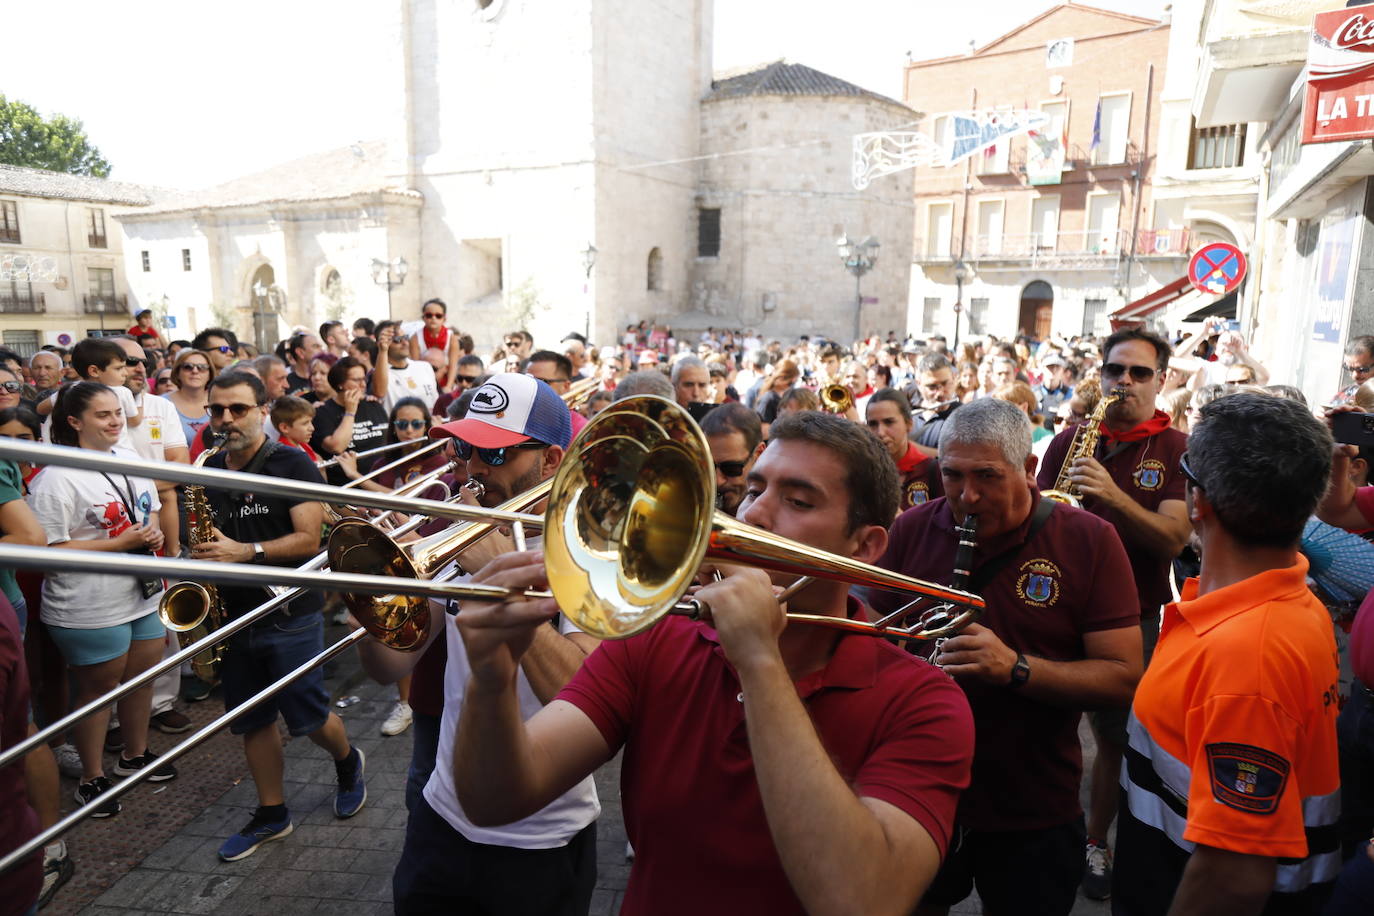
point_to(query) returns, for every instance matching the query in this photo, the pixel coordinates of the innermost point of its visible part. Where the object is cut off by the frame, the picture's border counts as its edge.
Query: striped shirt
(1232, 744)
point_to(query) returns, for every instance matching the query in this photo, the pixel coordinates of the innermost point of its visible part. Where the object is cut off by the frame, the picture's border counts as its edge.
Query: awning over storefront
(1135, 313)
(1225, 307)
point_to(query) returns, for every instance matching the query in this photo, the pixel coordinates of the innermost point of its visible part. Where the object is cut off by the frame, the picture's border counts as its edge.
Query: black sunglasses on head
(1188, 472)
(1138, 373)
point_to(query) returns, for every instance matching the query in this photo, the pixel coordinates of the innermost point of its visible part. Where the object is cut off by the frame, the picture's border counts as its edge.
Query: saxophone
(1084, 445)
(190, 609)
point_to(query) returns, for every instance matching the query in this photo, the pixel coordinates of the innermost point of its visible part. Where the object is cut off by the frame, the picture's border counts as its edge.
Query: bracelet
(349, 415)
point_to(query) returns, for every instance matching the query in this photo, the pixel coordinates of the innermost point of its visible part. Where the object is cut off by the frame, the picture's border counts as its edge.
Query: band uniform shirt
(896, 729)
(413, 380)
(919, 477)
(73, 504)
(369, 431)
(251, 518)
(160, 430)
(1233, 741)
(553, 825)
(1070, 579)
(1147, 471)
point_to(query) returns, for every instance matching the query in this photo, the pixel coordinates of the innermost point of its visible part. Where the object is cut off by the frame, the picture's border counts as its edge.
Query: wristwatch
(259, 554)
(1020, 672)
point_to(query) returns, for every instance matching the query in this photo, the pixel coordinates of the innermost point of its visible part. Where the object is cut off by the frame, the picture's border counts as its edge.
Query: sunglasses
(132, 361)
(1360, 369)
(409, 424)
(515, 342)
(730, 468)
(12, 387)
(238, 410)
(223, 348)
(195, 367)
(434, 314)
(468, 379)
(1138, 373)
(551, 381)
(1188, 472)
(492, 457)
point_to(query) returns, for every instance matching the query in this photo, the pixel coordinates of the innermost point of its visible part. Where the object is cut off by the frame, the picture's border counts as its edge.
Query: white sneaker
(399, 720)
(68, 760)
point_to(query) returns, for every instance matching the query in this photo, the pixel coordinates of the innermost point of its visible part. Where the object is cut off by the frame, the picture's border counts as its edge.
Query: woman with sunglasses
(437, 336)
(105, 625)
(162, 382)
(191, 373)
(409, 422)
(11, 389)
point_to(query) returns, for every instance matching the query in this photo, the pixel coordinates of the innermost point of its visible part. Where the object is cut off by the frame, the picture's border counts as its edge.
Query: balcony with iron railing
(22, 304)
(1078, 248)
(106, 305)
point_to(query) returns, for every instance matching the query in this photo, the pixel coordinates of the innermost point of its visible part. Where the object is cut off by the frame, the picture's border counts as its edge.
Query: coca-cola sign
(1339, 103)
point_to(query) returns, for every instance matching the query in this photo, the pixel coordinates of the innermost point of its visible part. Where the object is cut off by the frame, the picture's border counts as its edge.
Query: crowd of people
(1131, 509)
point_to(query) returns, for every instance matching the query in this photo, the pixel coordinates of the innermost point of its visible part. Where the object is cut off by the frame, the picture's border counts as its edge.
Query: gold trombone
(580, 392)
(836, 398)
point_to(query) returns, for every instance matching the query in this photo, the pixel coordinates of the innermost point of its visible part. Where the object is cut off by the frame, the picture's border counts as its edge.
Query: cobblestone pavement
(158, 856)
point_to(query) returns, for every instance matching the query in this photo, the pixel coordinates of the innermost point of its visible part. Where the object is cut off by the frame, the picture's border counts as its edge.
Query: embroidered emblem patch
(1038, 583)
(1150, 474)
(490, 399)
(917, 492)
(1246, 777)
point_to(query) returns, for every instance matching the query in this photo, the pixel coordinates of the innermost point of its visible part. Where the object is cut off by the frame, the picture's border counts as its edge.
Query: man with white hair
(1061, 633)
(691, 381)
(45, 368)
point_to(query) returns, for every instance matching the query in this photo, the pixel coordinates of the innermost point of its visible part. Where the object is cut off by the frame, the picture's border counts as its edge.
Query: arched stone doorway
(266, 303)
(1037, 310)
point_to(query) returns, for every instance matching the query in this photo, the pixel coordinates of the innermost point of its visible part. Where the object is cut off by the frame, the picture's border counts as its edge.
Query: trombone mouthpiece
(475, 487)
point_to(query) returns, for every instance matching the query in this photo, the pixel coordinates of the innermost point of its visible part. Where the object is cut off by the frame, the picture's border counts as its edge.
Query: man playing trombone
(766, 769)
(514, 436)
(270, 530)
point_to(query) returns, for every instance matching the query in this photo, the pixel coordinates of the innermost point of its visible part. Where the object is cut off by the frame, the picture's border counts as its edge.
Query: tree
(58, 144)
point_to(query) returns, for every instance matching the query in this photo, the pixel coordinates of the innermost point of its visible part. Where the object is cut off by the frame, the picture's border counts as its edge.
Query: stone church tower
(536, 130)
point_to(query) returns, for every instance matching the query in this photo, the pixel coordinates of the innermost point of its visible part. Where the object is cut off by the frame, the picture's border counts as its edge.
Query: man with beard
(1132, 481)
(735, 435)
(271, 531)
(300, 349)
(933, 400)
(513, 437)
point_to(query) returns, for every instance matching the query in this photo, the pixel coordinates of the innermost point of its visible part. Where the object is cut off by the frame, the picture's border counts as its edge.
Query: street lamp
(390, 274)
(858, 258)
(588, 262)
(961, 273)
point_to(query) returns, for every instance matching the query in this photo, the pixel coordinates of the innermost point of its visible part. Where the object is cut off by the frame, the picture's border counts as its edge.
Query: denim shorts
(102, 644)
(261, 654)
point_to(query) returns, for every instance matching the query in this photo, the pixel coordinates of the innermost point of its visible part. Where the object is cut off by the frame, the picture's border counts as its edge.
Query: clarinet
(963, 562)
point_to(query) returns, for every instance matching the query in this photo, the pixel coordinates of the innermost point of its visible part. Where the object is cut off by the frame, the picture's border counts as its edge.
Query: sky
(177, 98)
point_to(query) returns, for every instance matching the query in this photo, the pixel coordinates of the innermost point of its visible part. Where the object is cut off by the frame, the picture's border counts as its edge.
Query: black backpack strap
(989, 570)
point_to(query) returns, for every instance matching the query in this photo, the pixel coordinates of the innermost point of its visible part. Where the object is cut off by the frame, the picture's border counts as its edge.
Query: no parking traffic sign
(1217, 268)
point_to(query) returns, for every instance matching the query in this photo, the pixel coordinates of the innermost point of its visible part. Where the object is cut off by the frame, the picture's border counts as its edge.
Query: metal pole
(958, 310)
(858, 301)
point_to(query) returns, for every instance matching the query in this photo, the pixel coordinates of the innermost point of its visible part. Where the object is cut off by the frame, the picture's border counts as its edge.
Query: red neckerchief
(912, 460)
(1151, 427)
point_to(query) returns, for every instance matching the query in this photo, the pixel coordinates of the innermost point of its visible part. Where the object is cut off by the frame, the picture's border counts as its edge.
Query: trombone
(389, 447)
(580, 392)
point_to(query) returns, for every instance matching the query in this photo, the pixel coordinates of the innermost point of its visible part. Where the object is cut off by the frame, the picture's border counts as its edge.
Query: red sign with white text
(1339, 104)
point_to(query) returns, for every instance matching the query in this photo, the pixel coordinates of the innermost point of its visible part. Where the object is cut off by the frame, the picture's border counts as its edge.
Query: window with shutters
(708, 232)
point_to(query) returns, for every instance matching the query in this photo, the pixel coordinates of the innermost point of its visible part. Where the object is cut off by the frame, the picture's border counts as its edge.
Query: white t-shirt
(547, 828)
(414, 380)
(72, 504)
(160, 430)
(126, 404)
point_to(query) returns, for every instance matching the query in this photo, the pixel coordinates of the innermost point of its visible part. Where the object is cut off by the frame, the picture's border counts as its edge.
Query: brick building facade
(1045, 251)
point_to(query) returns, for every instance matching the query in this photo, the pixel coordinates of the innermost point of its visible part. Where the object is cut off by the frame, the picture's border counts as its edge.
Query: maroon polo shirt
(1070, 579)
(920, 478)
(1147, 471)
(896, 728)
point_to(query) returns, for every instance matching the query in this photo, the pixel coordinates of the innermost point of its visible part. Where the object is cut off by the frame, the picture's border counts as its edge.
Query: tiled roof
(357, 169)
(782, 78)
(60, 185)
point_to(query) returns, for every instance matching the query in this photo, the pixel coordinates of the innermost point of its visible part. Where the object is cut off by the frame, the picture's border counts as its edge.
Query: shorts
(103, 644)
(1021, 872)
(1110, 724)
(259, 655)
